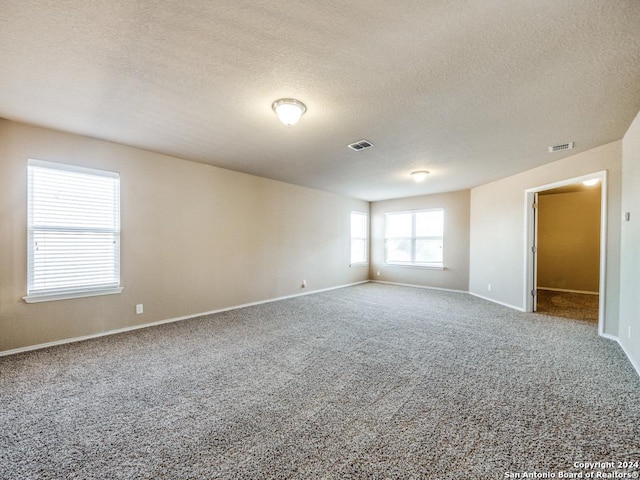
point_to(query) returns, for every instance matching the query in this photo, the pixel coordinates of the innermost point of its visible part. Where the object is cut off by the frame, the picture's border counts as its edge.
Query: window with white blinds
(359, 239)
(414, 238)
(73, 232)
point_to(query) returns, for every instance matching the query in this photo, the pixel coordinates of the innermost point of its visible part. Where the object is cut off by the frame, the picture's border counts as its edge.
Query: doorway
(565, 243)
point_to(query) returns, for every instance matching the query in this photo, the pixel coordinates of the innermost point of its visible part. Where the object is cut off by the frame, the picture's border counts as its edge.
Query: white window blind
(73, 231)
(414, 238)
(358, 238)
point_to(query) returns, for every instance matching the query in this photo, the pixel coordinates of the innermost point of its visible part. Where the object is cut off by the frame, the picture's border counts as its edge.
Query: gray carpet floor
(371, 381)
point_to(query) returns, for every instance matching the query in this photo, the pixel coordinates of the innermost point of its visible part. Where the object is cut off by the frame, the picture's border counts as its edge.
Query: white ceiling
(471, 90)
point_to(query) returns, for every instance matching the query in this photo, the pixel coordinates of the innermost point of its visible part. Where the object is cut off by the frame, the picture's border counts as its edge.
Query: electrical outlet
(489, 287)
(139, 309)
(629, 332)
(304, 284)
(378, 273)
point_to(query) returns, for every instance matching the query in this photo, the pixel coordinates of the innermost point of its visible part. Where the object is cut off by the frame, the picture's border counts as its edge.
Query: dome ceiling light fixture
(289, 110)
(591, 182)
(419, 175)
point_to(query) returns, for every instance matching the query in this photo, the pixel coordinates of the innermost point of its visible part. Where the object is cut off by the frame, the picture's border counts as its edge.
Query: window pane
(429, 224)
(358, 237)
(69, 199)
(399, 225)
(398, 250)
(358, 225)
(358, 251)
(67, 260)
(428, 251)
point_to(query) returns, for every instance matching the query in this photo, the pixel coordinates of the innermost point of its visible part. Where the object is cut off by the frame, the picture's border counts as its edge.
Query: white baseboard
(609, 337)
(634, 364)
(584, 292)
(419, 286)
(162, 322)
(520, 309)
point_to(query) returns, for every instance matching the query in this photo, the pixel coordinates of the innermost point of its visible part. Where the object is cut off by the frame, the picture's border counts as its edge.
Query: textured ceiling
(471, 90)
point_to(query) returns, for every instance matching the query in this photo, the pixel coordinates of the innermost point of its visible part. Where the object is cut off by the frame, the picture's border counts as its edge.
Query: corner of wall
(629, 301)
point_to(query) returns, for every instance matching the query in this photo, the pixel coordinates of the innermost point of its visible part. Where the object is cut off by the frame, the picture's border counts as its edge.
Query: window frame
(79, 290)
(413, 238)
(364, 240)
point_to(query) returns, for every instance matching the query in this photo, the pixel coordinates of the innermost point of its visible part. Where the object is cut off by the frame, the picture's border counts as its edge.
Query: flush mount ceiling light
(591, 182)
(289, 110)
(419, 175)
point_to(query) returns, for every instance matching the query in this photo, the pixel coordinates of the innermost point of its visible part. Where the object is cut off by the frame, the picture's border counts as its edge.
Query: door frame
(530, 239)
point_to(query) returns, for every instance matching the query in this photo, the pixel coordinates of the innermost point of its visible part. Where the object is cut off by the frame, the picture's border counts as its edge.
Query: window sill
(426, 267)
(360, 264)
(66, 296)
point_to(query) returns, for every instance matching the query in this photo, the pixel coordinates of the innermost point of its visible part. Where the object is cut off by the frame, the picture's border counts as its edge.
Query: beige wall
(569, 240)
(629, 334)
(195, 238)
(455, 275)
(497, 248)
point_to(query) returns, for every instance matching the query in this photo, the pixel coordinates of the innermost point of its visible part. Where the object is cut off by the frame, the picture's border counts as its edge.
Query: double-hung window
(359, 238)
(414, 238)
(73, 232)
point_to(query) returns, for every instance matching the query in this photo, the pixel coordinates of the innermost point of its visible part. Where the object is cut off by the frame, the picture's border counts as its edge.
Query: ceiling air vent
(562, 146)
(360, 145)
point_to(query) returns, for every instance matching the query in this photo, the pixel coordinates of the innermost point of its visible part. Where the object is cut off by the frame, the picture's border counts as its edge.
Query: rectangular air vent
(562, 146)
(360, 145)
